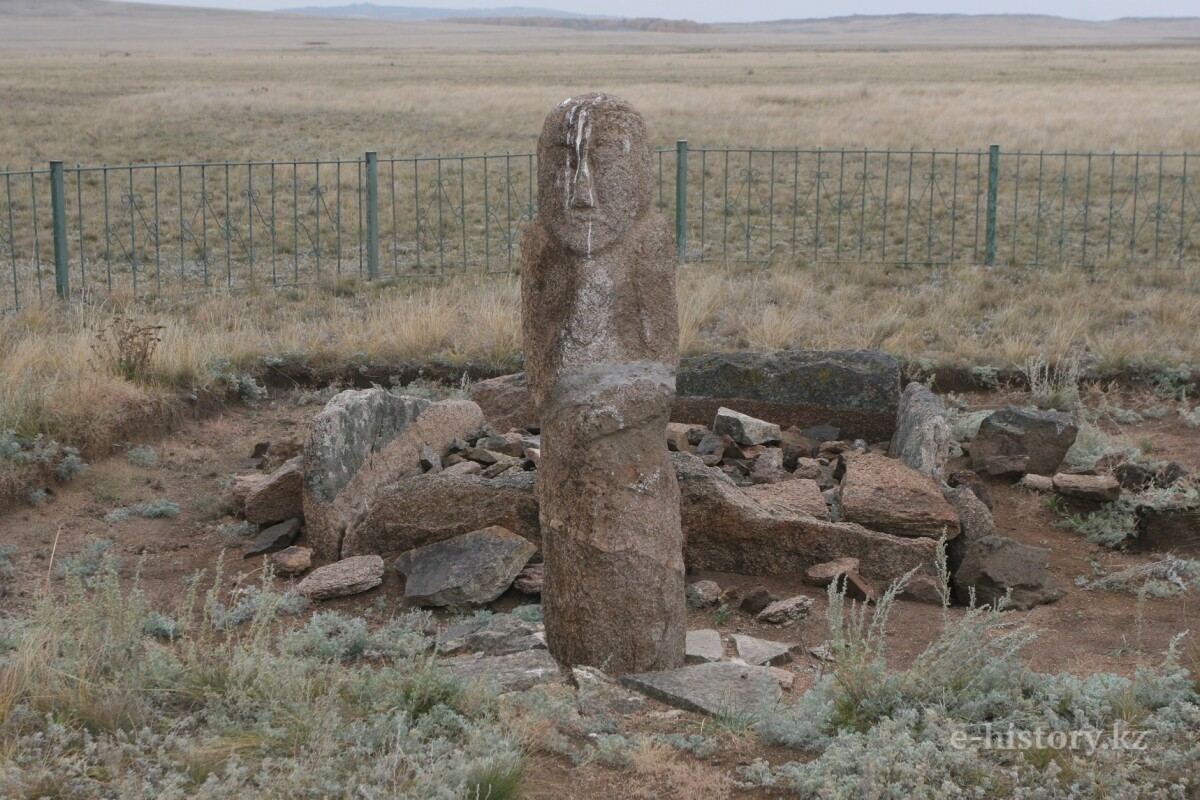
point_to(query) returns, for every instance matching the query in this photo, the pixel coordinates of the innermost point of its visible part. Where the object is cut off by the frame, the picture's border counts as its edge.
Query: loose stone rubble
(342, 578)
(469, 570)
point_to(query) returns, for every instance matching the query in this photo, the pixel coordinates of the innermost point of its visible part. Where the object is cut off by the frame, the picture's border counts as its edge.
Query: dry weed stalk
(127, 347)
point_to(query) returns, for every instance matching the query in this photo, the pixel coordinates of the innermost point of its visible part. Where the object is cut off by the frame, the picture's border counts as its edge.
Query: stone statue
(601, 338)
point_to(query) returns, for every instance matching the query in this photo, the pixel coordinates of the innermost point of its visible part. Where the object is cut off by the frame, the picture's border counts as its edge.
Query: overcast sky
(751, 10)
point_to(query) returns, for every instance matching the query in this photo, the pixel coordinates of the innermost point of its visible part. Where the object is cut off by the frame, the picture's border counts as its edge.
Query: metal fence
(151, 228)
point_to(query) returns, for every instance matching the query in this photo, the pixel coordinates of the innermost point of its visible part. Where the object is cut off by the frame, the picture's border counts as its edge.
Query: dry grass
(93, 105)
(111, 89)
(970, 315)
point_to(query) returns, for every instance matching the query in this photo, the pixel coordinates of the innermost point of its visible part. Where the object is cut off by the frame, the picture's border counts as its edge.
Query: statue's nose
(582, 193)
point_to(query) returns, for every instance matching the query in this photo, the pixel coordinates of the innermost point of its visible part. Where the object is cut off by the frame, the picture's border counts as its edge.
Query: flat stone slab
(745, 429)
(719, 688)
(292, 561)
(1096, 488)
(472, 569)
(923, 431)
(499, 635)
(277, 497)
(598, 695)
(276, 536)
(512, 673)
(1018, 440)
(856, 390)
(703, 647)
(790, 609)
(346, 577)
(885, 495)
(798, 496)
(703, 594)
(762, 652)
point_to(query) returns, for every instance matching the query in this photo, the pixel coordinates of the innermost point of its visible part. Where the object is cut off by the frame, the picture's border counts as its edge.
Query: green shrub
(94, 556)
(94, 706)
(142, 456)
(1056, 387)
(153, 509)
(71, 466)
(528, 613)
(924, 731)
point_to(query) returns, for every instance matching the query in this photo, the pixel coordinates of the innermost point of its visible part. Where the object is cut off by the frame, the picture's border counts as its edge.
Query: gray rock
(855, 390)
(1093, 488)
(782, 612)
(598, 695)
(346, 577)
(822, 433)
(277, 497)
(975, 522)
(703, 594)
(1176, 530)
(531, 579)
(275, 537)
(728, 531)
(468, 570)
(745, 429)
(923, 431)
(995, 564)
(505, 401)
(351, 456)
(1019, 440)
(762, 652)
(431, 460)
(352, 426)
(756, 600)
(499, 635)
(516, 672)
(292, 561)
(719, 688)
(795, 496)
(502, 465)
(425, 509)
(768, 468)
(703, 646)
(1037, 483)
(463, 468)
(926, 589)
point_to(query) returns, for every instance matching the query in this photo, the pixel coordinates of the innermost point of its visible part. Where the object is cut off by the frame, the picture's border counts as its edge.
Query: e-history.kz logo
(1120, 737)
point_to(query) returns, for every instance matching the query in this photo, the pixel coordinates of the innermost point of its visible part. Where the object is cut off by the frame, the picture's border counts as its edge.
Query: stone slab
(703, 647)
(762, 652)
(515, 672)
(720, 688)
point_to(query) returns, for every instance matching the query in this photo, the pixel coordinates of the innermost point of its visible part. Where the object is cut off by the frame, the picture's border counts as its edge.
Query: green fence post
(993, 191)
(372, 215)
(58, 209)
(681, 151)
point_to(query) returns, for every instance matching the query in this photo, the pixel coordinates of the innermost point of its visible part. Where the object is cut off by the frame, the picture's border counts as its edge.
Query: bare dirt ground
(1085, 632)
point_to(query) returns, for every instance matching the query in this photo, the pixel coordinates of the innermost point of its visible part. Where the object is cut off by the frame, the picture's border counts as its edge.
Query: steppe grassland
(90, 107)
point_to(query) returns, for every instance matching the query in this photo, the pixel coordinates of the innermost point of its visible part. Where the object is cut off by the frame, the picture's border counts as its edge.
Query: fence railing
(148, 228)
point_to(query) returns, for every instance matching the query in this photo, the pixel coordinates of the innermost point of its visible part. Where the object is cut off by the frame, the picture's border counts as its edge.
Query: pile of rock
(434, 484)
(1032, 444)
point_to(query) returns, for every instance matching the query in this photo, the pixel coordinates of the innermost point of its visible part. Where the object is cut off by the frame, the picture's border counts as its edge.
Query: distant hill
(648, 24)
(59, 25)
(419, 13)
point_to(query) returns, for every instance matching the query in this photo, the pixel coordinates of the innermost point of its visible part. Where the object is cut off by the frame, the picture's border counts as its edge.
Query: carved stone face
(595, 174)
